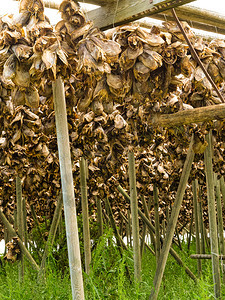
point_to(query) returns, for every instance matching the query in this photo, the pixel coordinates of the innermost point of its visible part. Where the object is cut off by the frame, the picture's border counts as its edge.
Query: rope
(114, 18)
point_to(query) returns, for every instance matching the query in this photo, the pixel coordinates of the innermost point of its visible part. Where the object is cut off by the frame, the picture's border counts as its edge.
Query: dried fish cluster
(114, 82)
(30, 53)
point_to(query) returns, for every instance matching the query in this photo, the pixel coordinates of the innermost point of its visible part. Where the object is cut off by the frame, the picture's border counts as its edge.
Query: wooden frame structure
(196, 17)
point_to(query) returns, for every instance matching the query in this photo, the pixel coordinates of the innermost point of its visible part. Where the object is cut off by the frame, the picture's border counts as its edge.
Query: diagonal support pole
(172, 223)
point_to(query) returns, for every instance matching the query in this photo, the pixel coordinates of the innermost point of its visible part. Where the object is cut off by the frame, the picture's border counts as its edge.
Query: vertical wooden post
(134, 214)
(222, 188)
(220, 224)
(146, 211)
(129, 227)
(68, 190)
(52, 233)
(190, 230)
(84, 203)
(99, 216)
(172, 223)
(20, 222)
(144, 231)
(25, 222)
(195, 202)
(212, 215)
(157, 225)
(201, 224)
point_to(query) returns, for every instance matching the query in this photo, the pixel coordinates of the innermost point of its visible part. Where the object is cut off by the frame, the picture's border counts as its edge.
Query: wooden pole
(157, 225)
(84, 203)
(68, 190)
(129, 227)
(195, 202)
(36, 222)
(146, 211)
(120, 241)
(201, 224)
(220, 224)
(205, 256)
(134, 214)
(52, 233)
(152, 228)
(172, 222)
(20, 223)
(185, 117)
(22, 247)
(212, 215)
(222, 188)
(190, 231)
(146, 245)
(25, 222)
(99, 216)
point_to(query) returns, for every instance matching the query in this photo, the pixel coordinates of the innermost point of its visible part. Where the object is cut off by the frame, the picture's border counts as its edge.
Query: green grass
(108, 278)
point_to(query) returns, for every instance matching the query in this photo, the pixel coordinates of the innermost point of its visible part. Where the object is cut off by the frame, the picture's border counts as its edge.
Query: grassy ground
(108, 278)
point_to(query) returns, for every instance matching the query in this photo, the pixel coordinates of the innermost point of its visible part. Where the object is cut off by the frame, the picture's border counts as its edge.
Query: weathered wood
(52, 233)
(22, 247)
(220, 223)
(134, 215)
(99, 216)
(25, 222)
(195, 204)
(190, 231)
(20, 223)
(120, 241)
(143, 235)
(146, 245)
(128, 11)
(68, 190)
(197, 18)
(212, 215)
(172, 222)
(129, 227)
(201, 223)
(185, 117)
(157, 225)
(146, 211)
(85, 217)
(222, 188)
(205, 256)
(152, 228)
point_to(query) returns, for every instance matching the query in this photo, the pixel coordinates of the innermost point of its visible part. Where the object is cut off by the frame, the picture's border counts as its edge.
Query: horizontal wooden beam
(185, 117)
(125, 11)
(197, 18)
(205, 256)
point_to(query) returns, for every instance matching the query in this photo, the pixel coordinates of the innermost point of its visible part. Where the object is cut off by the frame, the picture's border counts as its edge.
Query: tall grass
(108, 277)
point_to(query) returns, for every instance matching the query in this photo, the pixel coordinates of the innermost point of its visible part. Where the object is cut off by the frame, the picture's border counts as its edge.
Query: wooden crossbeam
(205, 256)
(197, 18)
(125, 11)
(185, 117)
